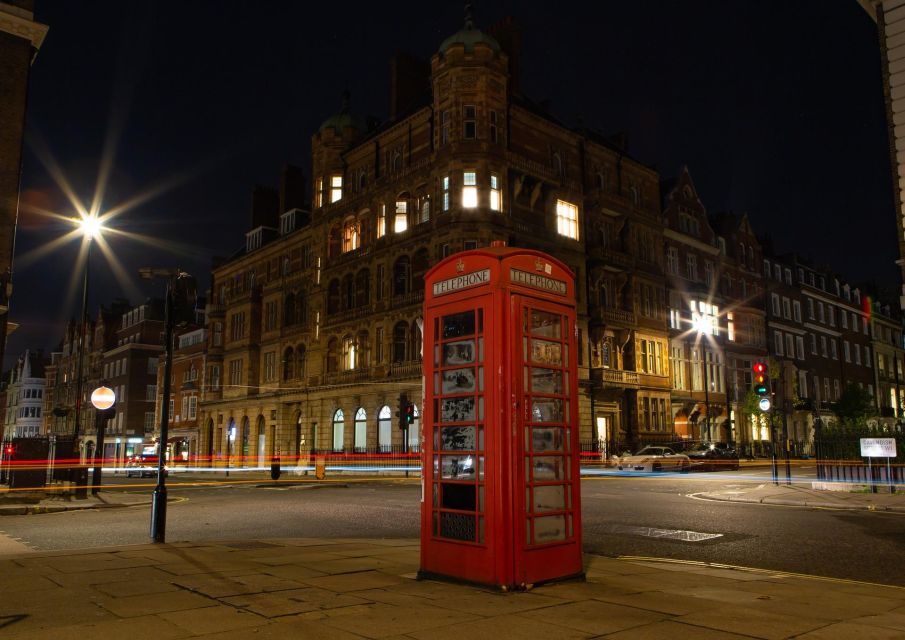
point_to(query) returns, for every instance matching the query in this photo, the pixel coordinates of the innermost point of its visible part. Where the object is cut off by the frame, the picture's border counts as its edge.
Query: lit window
(470, 190)
(336, 188)
(382, 221)
(401, 222)
(319, 192)
(349, 353)
(350, 236)
(446, 193)
(496, 200)
(567, 219)
(731, 326)
(470, 125)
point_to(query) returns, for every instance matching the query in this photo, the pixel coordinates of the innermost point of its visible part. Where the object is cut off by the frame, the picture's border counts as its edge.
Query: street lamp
(179, 307)
(702, 326)
(92, 229)
(103, 398)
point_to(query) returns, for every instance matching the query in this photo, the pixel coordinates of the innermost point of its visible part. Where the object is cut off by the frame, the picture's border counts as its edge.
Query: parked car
(654, 458)
(713, 456)
(142, 466)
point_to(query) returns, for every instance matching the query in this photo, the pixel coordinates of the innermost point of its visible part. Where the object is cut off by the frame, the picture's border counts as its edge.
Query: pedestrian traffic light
(760, 379)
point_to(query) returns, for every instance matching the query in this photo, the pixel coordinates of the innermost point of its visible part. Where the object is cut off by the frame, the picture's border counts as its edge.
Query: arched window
(396, 162)
(385, 430)
(601, 180)
(362, 179)
(349, 353)
(246, 436)
(334, 241)
(425, 209)
(348, 292)
(333, 297)
(300, 354)
(351, 239)
(363, 351)
(635, 195)
(288, 364)
(361, 431)
(332, 355)
(339, 428)
(401, 276)
(363, 288)
(400, 341)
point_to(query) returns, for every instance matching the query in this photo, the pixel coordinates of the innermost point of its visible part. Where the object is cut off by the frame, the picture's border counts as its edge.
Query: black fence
(839, 459)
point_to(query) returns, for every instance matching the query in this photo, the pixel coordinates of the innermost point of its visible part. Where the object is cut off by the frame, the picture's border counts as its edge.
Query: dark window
(470, 124)
(400, 341)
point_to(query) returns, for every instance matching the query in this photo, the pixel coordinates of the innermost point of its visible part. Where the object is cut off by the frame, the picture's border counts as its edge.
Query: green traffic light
(761, 389)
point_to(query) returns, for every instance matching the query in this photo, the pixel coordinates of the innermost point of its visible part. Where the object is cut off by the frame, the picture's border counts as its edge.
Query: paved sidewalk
(351, 589)
(804, 496)
(57, 503)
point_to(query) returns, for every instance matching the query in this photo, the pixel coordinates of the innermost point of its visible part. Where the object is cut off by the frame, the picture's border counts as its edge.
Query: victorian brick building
(315, 329)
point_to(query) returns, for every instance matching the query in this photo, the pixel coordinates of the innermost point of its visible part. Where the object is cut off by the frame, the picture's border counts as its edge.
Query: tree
(854, 406)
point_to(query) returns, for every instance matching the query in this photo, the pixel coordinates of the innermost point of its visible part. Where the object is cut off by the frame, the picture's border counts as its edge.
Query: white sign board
(878, 447)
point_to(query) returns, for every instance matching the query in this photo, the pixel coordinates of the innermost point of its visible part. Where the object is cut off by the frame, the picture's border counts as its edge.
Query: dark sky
(776, 107)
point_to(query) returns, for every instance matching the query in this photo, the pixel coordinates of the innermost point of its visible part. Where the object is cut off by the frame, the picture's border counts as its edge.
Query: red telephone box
(501, 502)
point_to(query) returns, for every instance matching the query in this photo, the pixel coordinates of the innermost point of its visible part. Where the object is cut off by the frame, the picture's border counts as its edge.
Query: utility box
(501, 500)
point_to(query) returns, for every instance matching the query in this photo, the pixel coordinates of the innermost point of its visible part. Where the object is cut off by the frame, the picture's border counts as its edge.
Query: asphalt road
(658, 516)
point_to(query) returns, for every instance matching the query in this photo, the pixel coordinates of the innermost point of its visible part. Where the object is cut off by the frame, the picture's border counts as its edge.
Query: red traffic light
(759, 367)
(8, 450)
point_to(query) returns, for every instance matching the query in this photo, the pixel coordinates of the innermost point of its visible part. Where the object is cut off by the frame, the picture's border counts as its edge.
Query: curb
(36, 509)
(783, 502)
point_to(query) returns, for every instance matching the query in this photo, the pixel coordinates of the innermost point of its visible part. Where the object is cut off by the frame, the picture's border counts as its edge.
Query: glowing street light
(92, 230)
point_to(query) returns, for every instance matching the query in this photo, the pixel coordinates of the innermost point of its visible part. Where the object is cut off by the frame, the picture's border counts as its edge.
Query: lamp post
(180, 303)
(91, 228)
(103, 398)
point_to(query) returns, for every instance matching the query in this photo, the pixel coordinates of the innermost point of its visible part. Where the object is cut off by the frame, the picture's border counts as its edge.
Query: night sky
(776, 107)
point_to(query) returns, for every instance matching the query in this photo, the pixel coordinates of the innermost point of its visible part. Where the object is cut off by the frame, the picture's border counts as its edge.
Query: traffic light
(760, 378)
(761, 385)
(9, 450)
(403, 408)
(409, 414)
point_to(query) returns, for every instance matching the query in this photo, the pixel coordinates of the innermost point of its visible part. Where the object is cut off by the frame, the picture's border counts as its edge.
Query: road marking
(668, 534)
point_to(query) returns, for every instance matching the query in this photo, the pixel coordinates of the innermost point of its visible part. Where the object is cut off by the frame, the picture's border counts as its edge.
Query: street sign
(103, 398)
(878, 447)
(764, 404)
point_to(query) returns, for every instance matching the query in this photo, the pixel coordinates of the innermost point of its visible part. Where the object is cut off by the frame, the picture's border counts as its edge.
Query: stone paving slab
(268, 590)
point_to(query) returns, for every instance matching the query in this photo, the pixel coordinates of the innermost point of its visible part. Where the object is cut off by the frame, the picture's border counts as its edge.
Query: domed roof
(343, 119)
(469, 36)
